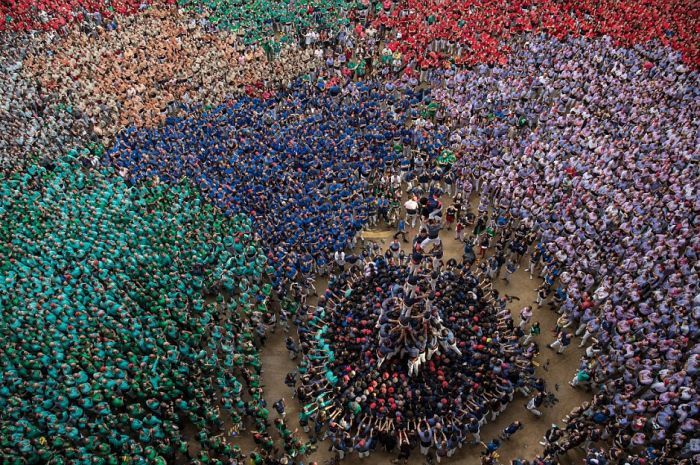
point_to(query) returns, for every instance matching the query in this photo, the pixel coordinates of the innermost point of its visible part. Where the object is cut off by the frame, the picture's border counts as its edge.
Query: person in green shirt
(534, 332)
(582, 377)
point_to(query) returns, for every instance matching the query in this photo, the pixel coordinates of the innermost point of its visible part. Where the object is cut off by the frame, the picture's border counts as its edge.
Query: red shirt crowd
(46, 15)
(480, 29)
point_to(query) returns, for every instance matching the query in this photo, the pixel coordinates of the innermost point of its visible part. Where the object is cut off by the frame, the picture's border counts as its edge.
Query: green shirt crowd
(109, 344)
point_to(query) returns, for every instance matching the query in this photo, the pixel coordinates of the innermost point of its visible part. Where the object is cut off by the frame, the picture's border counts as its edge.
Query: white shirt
(411, 205)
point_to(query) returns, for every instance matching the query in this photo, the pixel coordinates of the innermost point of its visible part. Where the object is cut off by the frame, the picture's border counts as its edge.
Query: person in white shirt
(411, 207)
(525, 315)
(339, 257)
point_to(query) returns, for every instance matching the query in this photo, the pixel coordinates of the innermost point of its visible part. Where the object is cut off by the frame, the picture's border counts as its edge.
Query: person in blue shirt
(511, 429)
(401, 229)
(492, 446)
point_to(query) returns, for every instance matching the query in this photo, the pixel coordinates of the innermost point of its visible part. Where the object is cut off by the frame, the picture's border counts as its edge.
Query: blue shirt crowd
(301, 164)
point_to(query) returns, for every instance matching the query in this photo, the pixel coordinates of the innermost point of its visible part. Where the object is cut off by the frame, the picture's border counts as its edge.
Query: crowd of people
(109, 344)
(428, 33)
(404, 352)
(106, 70)
(435, 33)
(35, 125)
(154, 63)
(62, 92)
(274, 20)
(593, 147)
(302, 164)
(53, 15)
(257, 22)
(583, 154)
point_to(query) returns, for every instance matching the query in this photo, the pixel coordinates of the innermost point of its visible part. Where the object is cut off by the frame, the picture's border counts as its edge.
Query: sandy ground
(556, 369)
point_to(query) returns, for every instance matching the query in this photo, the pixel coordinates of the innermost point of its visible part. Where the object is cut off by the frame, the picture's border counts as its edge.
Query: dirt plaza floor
(556, 369)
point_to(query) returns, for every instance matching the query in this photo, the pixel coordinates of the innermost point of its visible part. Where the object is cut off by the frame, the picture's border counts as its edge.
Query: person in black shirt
(433, 228)
(404, 448)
